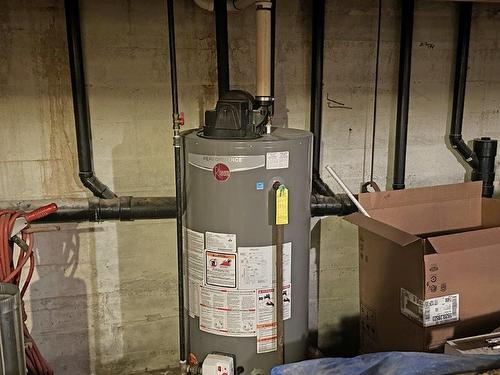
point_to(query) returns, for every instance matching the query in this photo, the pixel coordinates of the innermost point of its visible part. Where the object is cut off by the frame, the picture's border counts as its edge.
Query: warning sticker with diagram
(256, 266)
(220, 269)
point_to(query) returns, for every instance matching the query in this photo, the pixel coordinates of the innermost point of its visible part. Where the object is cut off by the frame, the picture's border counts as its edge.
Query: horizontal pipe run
(337, 205)
(74, 210)
(96, 210)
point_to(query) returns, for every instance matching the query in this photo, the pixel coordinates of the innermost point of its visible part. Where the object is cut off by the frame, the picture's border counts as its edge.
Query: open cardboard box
(429, 266)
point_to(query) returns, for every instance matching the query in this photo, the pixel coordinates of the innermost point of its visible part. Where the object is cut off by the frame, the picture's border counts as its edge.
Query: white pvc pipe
(232, 5)
(347, 191)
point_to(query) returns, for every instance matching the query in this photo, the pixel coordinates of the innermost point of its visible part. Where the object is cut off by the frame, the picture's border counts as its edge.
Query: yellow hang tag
(282, 205)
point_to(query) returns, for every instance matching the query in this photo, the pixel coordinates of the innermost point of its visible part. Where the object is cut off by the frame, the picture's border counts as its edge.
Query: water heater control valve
(218, 364)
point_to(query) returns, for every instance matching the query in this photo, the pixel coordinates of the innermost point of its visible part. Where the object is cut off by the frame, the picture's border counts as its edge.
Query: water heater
(230, 242)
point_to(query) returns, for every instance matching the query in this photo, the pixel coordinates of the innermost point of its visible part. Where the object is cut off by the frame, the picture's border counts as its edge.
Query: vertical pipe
(462, 57)
(173, 58)
(263, 51)
(221, 36)
(403, 93)
(178, 183)
(459, 86)
(80, 103)
(318, 39)
(273, 48)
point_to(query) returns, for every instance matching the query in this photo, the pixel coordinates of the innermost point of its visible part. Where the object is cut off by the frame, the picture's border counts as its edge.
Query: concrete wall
(103, 300)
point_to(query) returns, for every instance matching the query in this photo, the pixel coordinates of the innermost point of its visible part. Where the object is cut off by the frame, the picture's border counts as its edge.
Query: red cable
(11, 272)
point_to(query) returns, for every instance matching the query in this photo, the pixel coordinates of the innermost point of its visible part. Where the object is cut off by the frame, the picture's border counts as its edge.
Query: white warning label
(225, 242)
(227, 313)
(432, 311)
(287, 301)
(220, 269)
(194, 250)
(256, 268)
(277, 160)
(266, 321)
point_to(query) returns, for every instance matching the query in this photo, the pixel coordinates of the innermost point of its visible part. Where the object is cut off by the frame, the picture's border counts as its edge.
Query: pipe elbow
(339, 205)
(100, 190)
(455, 139)
(467, 154)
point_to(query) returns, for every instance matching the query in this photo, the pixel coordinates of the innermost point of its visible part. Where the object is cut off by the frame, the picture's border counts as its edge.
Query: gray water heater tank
(229, 255)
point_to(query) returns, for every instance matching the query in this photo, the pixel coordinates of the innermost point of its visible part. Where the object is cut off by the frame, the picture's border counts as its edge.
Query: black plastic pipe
(179, 192)
(76, 210)
(222, 41)
(463, 38)
(318, 40)
(98, 209)
(407, 7)
(80, 103)
(339, 205)
(485, 150)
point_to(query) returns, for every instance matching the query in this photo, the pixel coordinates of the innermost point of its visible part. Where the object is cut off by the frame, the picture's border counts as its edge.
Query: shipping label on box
(432, 311)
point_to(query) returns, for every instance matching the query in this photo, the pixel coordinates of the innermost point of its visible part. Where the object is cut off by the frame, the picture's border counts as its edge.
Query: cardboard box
(429, 266)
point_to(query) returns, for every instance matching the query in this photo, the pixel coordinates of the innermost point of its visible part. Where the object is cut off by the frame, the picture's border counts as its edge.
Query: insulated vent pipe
(263, 52)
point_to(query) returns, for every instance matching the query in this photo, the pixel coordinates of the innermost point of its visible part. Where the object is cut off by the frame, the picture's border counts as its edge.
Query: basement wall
(103, 300)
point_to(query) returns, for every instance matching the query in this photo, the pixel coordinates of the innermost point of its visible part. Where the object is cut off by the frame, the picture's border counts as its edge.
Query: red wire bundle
(10, 272)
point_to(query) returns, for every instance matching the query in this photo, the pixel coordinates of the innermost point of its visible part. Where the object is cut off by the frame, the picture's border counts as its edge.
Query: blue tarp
(391, 363)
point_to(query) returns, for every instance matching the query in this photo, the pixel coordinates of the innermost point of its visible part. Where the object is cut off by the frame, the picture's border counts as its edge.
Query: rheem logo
(221, 172)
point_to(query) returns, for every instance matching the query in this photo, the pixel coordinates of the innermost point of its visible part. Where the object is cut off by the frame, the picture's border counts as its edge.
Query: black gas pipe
(179, 191)
(407, 7)
(273, 51)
